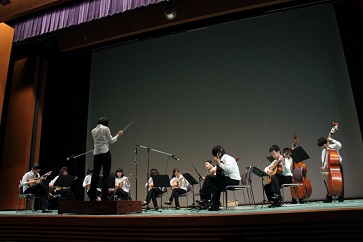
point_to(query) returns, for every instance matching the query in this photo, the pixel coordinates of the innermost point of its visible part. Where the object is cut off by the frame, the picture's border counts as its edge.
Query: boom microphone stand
(135, 162)
(79, 191)
(148, 161)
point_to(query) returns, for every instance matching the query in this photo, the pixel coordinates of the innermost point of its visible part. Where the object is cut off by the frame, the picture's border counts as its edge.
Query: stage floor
(240, 210)
(314, 220)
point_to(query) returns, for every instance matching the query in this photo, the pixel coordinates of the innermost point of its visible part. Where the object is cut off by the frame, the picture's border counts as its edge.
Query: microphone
(70, 157)
(172, 156)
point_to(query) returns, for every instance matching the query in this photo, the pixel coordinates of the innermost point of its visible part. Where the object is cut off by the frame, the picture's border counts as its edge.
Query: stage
(311, 221)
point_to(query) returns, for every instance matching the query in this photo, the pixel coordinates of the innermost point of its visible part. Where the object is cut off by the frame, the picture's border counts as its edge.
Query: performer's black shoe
(46, 211)
(156, 208)
(167, 203)
(275, 205)
(177, 208)
(144, 203)
(213, 208)
(341, 199)
(276, 197)
(328, 199)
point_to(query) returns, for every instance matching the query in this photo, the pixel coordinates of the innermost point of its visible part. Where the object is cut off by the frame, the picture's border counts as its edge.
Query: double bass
(305, 191)
(335, 177)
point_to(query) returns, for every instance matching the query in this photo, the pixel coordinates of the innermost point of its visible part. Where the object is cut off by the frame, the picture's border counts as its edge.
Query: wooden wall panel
(6, 42)
(19, 129)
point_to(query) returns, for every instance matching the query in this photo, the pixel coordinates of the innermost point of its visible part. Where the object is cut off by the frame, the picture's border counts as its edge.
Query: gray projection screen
(244, 85)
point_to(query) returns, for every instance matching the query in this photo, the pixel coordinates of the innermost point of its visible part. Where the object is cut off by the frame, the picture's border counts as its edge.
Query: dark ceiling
(150, 20)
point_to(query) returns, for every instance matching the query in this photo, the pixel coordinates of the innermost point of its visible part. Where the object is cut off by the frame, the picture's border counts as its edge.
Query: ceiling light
(170, 12)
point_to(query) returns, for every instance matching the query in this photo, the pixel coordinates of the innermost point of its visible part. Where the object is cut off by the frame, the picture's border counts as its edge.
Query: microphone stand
(75, 156)
(148, 162)
(135, 162)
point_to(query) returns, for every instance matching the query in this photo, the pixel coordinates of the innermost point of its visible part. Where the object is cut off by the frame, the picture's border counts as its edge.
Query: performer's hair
(103, 121)
(285, 150)
(90, 170)
(154, 172)
(175, 170)
(218, 149)
(322, 141)
(119, 170)
(36, 166)
(63, 169)
(275, 148)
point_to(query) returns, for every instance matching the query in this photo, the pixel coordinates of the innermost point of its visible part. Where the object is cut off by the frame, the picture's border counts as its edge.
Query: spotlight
(4, 2)
(170, 12)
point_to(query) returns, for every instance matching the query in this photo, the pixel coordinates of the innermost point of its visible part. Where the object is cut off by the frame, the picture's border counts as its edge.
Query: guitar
(34, 181)
(274, 168)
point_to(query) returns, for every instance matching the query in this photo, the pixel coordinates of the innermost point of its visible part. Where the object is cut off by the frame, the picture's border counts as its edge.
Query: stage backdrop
(244, 85)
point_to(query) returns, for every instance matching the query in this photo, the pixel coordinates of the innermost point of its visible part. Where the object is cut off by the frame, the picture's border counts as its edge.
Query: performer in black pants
(102, 157)
(227, 174)
(32, 183)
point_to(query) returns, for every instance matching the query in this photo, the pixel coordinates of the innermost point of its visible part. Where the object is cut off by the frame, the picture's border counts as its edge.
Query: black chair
(189, 191)
(29, 198)
(297, 180)
(245, 185)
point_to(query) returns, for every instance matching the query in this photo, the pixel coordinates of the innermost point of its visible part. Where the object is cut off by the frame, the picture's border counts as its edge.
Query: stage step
(99, 207)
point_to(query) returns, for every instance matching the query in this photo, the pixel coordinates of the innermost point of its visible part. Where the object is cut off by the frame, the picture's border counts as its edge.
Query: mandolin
(120, 184)
(178, 182)
(34, 181)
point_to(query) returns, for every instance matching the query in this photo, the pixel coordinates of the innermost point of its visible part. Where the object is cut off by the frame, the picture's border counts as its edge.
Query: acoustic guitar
(275, 169)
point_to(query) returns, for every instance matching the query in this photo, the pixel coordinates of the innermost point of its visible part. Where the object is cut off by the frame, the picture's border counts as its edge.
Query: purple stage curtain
(73, 14)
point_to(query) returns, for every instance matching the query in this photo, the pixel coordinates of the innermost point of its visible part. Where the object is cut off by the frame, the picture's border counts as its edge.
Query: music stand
(64, 181)
(192, 182)
(260, 173)
(161, 180)
(298, 154)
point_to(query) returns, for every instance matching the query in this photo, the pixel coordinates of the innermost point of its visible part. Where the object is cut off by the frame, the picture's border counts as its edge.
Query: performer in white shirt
(227, 174)
(279, 173)
(330, 144)
(102, 156)
(179, 186)
(122, 185)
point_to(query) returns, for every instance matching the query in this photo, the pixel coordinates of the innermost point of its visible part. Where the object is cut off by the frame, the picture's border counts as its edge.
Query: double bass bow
(302, 191)
(335, 177)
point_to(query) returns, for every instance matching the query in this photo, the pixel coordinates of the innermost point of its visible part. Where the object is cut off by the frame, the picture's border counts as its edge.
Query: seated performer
(280, 173)
(152, 191)
(64, 192)
(179, 186)
(211, 169)
(87, 183)
(31, 183)
(122, 185)
(227, 174)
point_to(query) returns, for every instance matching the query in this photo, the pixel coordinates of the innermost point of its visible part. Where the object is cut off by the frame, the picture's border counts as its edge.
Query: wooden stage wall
(325, 225)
